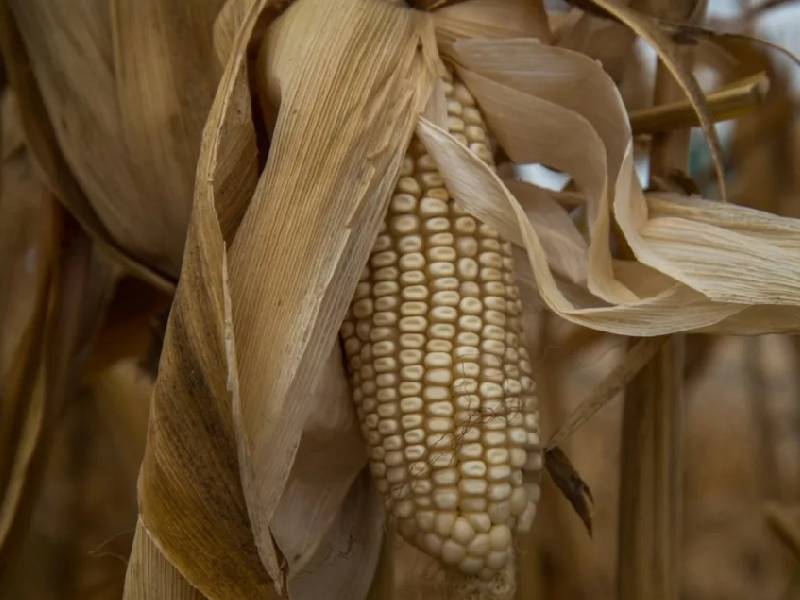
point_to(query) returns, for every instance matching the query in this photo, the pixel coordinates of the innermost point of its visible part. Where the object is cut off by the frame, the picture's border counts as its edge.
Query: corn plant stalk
(756, 382)
(650, 483)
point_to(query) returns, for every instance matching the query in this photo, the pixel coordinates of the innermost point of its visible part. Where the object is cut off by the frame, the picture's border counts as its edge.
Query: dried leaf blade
(570, 484)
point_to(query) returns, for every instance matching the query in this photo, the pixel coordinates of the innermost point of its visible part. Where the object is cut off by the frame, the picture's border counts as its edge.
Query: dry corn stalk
(441, 380)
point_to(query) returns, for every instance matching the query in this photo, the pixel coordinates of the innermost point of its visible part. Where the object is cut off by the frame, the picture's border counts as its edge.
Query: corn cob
(441, 382)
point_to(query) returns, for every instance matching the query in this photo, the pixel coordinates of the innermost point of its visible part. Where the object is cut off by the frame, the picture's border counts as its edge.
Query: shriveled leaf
(165, 74)
(539, 139)
(731, 254)
(737, 44)
(229, 20)
(150, 576)
(563, 77)
(608, 41)
(569, 482)
(319, 203)
(565, 247)
(634, 298)
(674, 308)
(172, 494)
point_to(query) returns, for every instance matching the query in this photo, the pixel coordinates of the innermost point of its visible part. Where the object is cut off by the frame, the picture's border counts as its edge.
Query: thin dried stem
(730, 102)
(638, 355)
(769, 471)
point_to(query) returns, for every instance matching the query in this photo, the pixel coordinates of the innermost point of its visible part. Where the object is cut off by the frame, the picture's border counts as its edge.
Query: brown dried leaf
(42, 141)
(165, 72)
(126, 87)
(738, 45)
(184, 464)
(569, 482)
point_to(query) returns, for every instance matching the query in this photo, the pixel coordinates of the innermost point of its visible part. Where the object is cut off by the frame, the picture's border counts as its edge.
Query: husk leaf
(151, 576)
(667, 290)
(190, 494)
(490, 19)
(319, 203)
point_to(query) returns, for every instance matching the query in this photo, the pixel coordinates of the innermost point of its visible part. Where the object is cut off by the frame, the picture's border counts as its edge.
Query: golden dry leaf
(606, 40)
(565, 247)
(165, 75)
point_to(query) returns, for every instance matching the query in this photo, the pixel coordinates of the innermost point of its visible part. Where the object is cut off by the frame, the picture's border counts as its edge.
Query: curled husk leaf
(696, 260)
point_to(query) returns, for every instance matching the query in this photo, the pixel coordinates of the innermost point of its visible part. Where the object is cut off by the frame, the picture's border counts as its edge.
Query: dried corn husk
(347, 196)
(338, 187)
(150, 575)
(491, 19)
(529, 125)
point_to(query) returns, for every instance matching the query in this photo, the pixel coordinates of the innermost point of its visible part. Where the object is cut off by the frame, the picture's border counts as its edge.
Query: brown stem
(651, 470)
